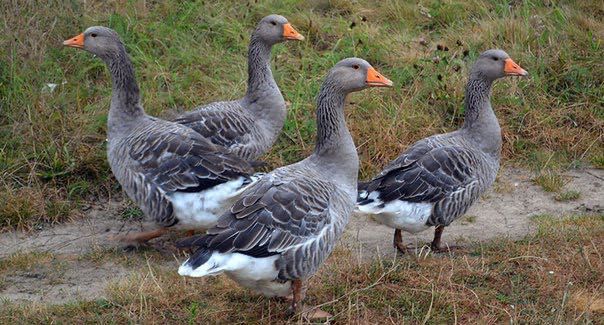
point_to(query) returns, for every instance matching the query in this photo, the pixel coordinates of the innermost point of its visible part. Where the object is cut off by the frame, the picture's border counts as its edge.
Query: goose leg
(398, 241)
(298, 294)
(438, 232)
(296, 297)
(436, 247)
(144, 236)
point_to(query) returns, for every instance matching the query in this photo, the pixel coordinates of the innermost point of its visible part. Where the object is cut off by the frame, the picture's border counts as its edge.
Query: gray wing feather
(223, 123)
(278, 217)
(167, 158)
(446, 176)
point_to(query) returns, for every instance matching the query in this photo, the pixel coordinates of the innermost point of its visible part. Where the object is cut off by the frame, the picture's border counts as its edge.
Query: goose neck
(334, 145)
(480, 120)
(477, 101)
(260, 76)
(125, 99)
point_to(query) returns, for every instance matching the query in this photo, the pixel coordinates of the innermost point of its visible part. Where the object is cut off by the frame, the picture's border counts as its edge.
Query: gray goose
(438, 178)
(176, 176)
(249, 126)
(283, 227)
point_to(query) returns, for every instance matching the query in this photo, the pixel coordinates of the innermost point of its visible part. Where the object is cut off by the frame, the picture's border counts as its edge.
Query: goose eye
(495, 58)
(356, 67)
(273, 23)
(93, 35)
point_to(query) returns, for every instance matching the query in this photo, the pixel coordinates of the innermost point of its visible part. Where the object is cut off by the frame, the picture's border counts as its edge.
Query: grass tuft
(550, 181)
(24, 261)
(570, 195)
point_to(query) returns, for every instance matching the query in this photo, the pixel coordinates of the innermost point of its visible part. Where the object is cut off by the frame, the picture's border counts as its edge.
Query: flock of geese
(271, 232)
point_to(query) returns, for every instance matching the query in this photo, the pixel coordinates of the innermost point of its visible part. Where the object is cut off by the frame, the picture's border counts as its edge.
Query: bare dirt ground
(75, 273)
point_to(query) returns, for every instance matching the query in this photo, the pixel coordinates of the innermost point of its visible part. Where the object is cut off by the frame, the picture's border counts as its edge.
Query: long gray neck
(263, 97)
(260, 77)
(480, 120)
(334, 147)
(125, 99)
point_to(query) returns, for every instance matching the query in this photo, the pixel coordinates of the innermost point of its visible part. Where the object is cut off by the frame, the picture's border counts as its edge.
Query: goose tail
(369, 202)
(202, 263)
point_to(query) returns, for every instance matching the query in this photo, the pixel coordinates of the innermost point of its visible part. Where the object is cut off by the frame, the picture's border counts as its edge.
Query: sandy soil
(504, 212)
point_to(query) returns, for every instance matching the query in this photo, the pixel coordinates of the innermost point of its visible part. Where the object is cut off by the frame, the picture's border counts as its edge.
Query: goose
(175, 175)
(282, 228)
(249, 126)
(438, 178)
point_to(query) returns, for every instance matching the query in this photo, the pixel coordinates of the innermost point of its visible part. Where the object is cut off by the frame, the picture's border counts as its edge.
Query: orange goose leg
(144, 236)
(398, 241)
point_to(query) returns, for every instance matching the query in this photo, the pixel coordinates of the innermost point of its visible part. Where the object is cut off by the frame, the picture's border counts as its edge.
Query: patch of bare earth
(70, 280)
(81, 268)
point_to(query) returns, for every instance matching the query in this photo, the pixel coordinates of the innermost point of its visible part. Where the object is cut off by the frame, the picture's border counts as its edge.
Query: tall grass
(190, 53)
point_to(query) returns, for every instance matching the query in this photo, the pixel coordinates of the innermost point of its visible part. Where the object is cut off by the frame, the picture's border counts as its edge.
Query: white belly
(410, 217)
(269, 288)
(258, 274)
(202, 209)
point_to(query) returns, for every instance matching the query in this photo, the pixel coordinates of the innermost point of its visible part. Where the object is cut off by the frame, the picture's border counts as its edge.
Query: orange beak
(375, 79)
(513, 69)
(290, 33)
(77, 41)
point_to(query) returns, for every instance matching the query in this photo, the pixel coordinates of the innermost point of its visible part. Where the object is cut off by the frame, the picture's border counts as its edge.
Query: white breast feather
(202, 209)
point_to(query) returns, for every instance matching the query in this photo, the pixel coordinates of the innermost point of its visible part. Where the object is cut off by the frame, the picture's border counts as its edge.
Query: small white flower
(49, 87)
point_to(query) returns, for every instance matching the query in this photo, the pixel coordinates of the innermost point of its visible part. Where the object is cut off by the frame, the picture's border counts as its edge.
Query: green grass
(131, 212)
(570, 195)
(550, 181)
(468, 219)
(185, 54)
(550, 277)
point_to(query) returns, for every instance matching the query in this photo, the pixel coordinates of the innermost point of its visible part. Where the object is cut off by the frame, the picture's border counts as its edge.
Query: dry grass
(554, 276)
(186, 54)
(27, 207)
(23, 261)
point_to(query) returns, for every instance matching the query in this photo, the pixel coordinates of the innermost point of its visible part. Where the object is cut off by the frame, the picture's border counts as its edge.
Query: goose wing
(184, 161)
(427, 177)
(223, 123)
(171, 158)
(273, 216)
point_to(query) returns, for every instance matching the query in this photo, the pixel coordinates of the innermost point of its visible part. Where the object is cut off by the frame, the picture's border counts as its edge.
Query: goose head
(354, 74)
(98, 40)
(274, 29)
(495, 64)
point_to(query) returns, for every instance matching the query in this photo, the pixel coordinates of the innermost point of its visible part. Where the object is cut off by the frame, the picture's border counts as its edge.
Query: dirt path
(504, 212)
